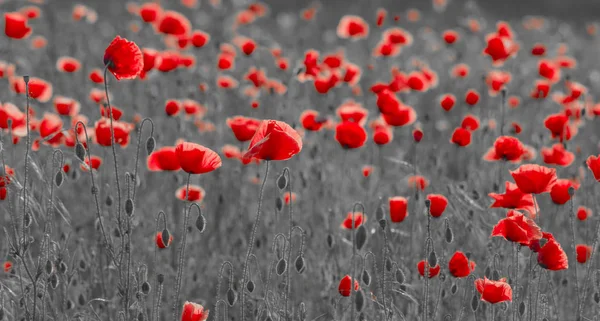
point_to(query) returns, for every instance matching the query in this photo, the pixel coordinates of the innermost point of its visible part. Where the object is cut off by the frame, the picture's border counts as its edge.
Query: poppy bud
(417, 135)
(359, 300)
(81, 299)
(250, 286)
(140, 316)
(278, 204)
(366, 277)
(165, 235)
(330, 241)
(1, 314)
(281, 267)
(129, 207)
(383, 224)
(474, 303)
(58, 178)
(108, 201)
(427, 204)
(521, 308)
(80, 152)
(388, 264)
(146, 288)
(495, 275)
(48, 268)
(454, 288)
(53, 280)
(379, 214)
(400, 277)
(597, 297)
(449, 235)
(27, 219)
(300, 264)
(201, 223)
(82, 265)
(160, 278)
(231, 297)
(70, 304)
(487, 272)
(571, 191)
(94, 190)
(282, 181)
(150, 144)
(361, 237)
(432, 259)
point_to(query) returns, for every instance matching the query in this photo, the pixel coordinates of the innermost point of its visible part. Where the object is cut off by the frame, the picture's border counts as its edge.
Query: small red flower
(450, 36)
(460, 266)
(121, 132)
(402, 116)
(366, 170)
(68, 64)
(493, 291)
(350, 135)
(15, 25)
(583, 213)
(196, 193)
(96, 163)
(541, 89)
(514, 198)
(66, 106)
(433, 271)
(357, 219)
(593, 163)
(197, 159)
(353, 27)
(200, 38)
(96, 76)
(418, 181)
(382, 135)
(447, 102)
(193, 312)
(538, 50)
(560, 191)
(172, 107)
(549, 70)
(124, 58)
(158, 239)
(472, 97)
(163, 159)
(461, 137)
(551, 255)
(584, 252)
(150, 11)
(517, 228)
(557, 155)
(174, 23)
(346, 284)
(558, 126)
(437, 205)
(274, 140)
(417, 135)
(352, 111)
(398, 208)
(470, 122)
(505, 148)
(311, 120)
(7, 266)
(534, 179)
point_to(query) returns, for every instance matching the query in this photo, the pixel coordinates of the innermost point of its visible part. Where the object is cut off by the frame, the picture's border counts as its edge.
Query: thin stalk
(574, 249)
(291, 216)
(181, 253)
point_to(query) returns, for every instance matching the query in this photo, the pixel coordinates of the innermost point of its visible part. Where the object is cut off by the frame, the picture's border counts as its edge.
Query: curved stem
(137, 153)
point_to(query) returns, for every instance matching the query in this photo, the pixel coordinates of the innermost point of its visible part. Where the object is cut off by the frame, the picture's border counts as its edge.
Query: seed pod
(379, 214)
(62, 267)
(282, 181)
(281, 267)
(250, 286)
(59, 178)
(278, 204)
(75, 175)
(48, 268)
(146, 288)
(388, 264)
(129, 207)
(449, 235)
(400, 277)
(382, 224)
(81, 299)
(300, 264)
(80, 152)
(443, 294)
(160, 278)
(82, 265)
(432, 259)
(521, 308)
(70, 304)
(150, 144)
(330, 241)
(366, 277)
(474, 303)
(165, 235)
(27, 220)
(201, 223)
(359, 300)
(361, 237)
(231, 297)
(454, 289)
(53, 280)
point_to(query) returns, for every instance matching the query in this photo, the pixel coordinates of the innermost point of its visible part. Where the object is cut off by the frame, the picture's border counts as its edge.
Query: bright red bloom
(243, 128)
(583, 213)
(7, 266)
(163, 159)
(172, 107)
(149, 56)
(514, 198)
(150, 11)
(551, 256)
(447, 101)
(499, 48)
(460, 71)
(51, 124)
(402, 116)
(460, 266)
(517, 228)
(96, 163)
(346, 284)
(158, 239)
(549, 70)
(174, 23)
(350, 135)
(39, 89)
(437, 205)
(197, 159)
(357, 219)
(311, 120)
(382, 135)
(124, 58)
(353, 27)
(196, 193)
(274, 140)
(461, 137)
(121, 131)
(15, 25)
(96, 76)
(472, 97)
(538, 50)
(387, 102)
(433, 271)
(366, 170)
(558, 126)
(534, 179)
(506, 148)
(593, 163)
(584, 252)
(416, 81)
(200, 38)
(417, 135)
(352, 111)
(541, 89)
(68, 64)
(398, 208)
(418, 181)
(66, 106)
(193, 312)
(557, 155)
(560, 191)
(470, 122)
(450, 36)
(493, 291)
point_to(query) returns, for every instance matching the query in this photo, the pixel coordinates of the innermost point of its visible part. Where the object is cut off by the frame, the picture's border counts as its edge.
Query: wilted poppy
(163, 159)
(584, 252)
(517, 228)
(196, 193)
(398, 208)
(197, 159)
(345, 286)
(350, 135)
(493, 291)
(433, 271)
(123, 58)
(460, 266)
(534, 179)
(514, 198)
(437, 204)
(551, 256)
(15, 25)
(583, 213)
(355, 220)
(560, 191)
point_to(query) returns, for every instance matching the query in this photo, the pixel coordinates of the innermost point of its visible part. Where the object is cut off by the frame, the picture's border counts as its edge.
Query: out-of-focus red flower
(68, 64)
(121, 132)
(517, 228)
(493, 291)
(506, 148)
(150, 11)
(350, 135)
(242, 127)
(196, 193)
(193, 312)
(584, 252)
(560, 191)
(461, 137)
(311, 120)
(593, 163)
(433, 271)
(557, 155)
(197, 159)
(123, 58)
(460, 266)
(472, 97)
(352, 111)
(470, 122)
(174, 23)
(398, 208)
(15, 25)
(583, 213)
(447, 102)
(450, 36)
(418, 182)
(534, 179)
(353, 27)
(357, 220)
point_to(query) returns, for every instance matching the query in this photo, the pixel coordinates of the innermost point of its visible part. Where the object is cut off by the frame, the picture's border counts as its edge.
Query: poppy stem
(594, 247)
(182, 251)
(574, 248)
(516, 250)
(502, 107)
(156, 298)
(251, 242)
(291, 223)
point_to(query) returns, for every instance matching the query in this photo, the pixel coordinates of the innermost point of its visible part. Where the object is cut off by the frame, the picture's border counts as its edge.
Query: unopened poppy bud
(449, 235)
(379, 214)
(160, 278)
(231, 297)
(80, 152)
(361, 237)
(330, 241)
(82, 265)
(400, 276)
(521, 308)
(201, 223)
(129, 207)
(278, 204)
(366, 277)
(281, 267)
(146, 288)
(53, 280)
(58, 178)
(81, 299)
(282, 181)
(108, 201)
(388, 264)
(417, 135)
(250, 286)
(62, 267)
(495, 275)
(300, 264)
(427, 203)
(27, 220)
(571, 191)
(70, 305)
(454, 289)
(48, 268)
(432, 259)
(474, 303)
(597, 298)
(359, 300)
(150, 144)
(140, 316)
(165, 235)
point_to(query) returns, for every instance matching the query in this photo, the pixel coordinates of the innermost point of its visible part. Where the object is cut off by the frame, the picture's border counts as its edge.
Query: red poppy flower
(560, 191)
(51, 124)
(311, 120)
(398, 36)
(124, 58)
(7, 266)
(15, 25)
(383, 135)
(460, 71)
(514, 198)
(493, 291)
(68, 64)
(402, 116)
(357, 219)
(150, 11)
(39, 89)
(231, 151)
(163, 159)
(517, 228)
(398, 208)
(534, 179)
(66, 106)
(200, 38)
(115, 112)
(287, 199)
(172, 107)
(197, 159)
(557, 155)
(196, 193)
(496, 81)
(226, 82)
(353, 27)
(461, 137)
(243, 128)
(121, 132)
(450, 36)
(549, 70)
(437, 205)
(433, 271)
(350, 135)
(353, 74)
(551, 255)
(158, 239)
(193, 312)
(538, 50)
(174, 23)
(96, 163)
(506, 148)
(472, 97)
(367, 170)
(470, 122)
(417, 135)
(416, 81)
(541, 89)
(381, 14)
(557, 124)
(584, 252)
(345, 285)
(418, 181)
(583, 213)
(593, 163)
(96, 76)
(460, 266)
(387, 102)
(499, 48)
(352, 111)
(447, 102)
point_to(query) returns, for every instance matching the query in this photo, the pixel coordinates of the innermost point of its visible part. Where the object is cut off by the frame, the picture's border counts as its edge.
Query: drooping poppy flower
(494, 291)
(461, 137)
(433, 271)
(355, 220)
(517, 228)
(472, 97)
(557, 155)
(460, 266)
(350, 135)
(551, 256)
(121, 132)
(418, 182)
(196, 193)
(123, 58)
(311, 120)
(345, 286)
(534, 179)
(163, 159)
(447, 101)
(15, 25)
(593, 163)
(174, 23)
(584, 252)
(353, 27)
(197, 159)
(437, 204)
(160, 243)
(560, 191)
(514, 198)
(398, 208)
(505, 148)
(68, 64)
(243, 127)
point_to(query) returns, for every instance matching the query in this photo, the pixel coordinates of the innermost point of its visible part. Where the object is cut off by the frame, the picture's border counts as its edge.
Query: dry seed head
(150, 144)
(361, 237)
(281, 267)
